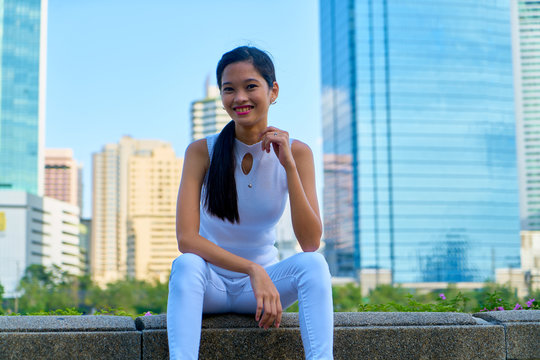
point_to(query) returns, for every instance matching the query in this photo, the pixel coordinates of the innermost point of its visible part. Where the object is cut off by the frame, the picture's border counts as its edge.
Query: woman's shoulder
(198, 150)
(300, 149)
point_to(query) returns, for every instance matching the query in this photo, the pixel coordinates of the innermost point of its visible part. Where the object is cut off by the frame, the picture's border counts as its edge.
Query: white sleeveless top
(260, 207)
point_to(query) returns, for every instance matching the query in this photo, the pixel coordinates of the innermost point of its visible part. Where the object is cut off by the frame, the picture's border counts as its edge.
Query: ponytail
(221, 199)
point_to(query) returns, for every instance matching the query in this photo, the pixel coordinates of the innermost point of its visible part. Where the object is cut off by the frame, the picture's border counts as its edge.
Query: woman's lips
(243, 110)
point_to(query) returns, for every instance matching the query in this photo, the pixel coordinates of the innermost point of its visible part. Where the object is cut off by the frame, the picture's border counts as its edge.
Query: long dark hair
(221, 199)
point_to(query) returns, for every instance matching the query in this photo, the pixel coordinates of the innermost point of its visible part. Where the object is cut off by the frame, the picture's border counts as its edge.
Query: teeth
(243, 109)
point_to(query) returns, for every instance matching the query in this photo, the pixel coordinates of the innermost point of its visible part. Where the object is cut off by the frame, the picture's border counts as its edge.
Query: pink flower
(148, 313)
(530, 302)
(442, 296)
(518, 307)
(484, 309)
(500, 308)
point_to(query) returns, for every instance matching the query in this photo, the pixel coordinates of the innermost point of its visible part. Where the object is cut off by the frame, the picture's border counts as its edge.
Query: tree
(347, 297)
(46, 289)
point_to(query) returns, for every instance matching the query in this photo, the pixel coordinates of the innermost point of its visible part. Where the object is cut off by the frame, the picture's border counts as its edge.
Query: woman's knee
(314, 263)
(188, 266)
(188, 261)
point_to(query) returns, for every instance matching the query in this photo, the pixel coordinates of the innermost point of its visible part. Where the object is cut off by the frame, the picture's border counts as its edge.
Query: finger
(279, 313)
(276, 148)
(268, 316)
(259, 309)
(270, 131)
(265, 144)
(273, 315)
(265, 315)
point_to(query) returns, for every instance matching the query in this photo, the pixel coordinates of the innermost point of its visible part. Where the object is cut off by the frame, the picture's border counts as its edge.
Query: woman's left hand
(279, 140)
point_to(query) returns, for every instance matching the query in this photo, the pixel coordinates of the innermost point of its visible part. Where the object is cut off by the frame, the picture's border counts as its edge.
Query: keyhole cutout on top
(247, 163)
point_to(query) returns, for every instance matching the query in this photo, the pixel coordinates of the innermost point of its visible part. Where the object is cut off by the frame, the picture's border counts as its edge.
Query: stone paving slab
(509, 316)
(352, 319)
(66, 323)
(107, 345)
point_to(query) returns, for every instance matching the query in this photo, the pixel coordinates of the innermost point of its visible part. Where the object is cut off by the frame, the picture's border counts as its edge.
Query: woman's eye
(227, 89)
(251, 86)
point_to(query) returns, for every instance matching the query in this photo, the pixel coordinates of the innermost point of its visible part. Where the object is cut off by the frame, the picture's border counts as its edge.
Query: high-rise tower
(526, 49)
(109, 242)
(23, 25)
(153, 180)
(419, 139)
(207, 115)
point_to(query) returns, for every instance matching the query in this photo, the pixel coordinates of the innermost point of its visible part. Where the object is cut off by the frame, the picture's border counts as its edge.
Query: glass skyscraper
(420, 175)
(22, 94)
(526, 32)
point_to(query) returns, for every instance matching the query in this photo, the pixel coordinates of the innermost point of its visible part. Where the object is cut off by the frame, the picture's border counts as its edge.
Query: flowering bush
(493, 302)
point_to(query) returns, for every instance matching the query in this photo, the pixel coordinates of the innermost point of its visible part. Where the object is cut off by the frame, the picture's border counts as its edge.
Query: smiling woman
(233, 191)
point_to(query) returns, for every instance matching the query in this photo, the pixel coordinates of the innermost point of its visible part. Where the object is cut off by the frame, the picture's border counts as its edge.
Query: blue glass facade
(20, 22)
(419, 138)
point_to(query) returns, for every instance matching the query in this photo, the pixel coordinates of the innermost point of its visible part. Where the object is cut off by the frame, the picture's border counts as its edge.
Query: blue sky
(132, 67)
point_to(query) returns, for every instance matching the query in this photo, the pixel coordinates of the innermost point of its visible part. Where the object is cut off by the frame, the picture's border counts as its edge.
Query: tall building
(23, 25)
(153, 181)
(420, 175)
(36, 230)
(110, 205)
(526, 51)
(208, 115)
(62, 176)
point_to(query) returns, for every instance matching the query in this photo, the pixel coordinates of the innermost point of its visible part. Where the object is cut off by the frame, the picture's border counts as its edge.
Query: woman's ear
(275, 91)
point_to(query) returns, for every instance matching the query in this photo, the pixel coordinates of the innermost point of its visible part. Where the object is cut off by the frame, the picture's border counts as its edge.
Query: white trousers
(195, 288)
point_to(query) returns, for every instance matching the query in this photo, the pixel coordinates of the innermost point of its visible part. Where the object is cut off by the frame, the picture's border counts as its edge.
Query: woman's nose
(240, 97)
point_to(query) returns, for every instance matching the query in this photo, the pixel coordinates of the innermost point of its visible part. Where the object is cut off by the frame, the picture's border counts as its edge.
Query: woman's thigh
(216, 299)
(284, 277)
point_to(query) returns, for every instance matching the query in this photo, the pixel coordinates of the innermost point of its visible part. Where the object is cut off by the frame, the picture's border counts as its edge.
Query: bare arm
(305, 215)
(297, 159)
(196, 163)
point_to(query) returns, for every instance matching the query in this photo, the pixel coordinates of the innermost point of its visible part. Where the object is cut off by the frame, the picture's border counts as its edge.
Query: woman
(233, 191)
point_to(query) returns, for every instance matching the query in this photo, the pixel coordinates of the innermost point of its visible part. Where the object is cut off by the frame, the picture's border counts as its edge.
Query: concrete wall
(490, 335)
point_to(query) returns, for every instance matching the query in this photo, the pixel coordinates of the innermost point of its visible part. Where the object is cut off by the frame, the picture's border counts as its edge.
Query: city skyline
(123, 86)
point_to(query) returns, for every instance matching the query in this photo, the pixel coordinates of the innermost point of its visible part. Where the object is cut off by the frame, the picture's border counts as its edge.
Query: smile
(242, 110)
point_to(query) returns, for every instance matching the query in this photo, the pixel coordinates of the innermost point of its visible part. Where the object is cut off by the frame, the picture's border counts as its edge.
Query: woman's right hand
(267, 296)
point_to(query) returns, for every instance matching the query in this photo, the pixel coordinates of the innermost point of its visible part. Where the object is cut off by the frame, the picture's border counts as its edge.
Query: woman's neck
(251, 135)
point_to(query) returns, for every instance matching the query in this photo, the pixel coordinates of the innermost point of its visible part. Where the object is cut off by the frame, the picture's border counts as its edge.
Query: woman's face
(246, 95)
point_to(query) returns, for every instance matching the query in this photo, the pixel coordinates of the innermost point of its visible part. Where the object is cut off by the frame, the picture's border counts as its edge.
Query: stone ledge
(70, 345)
(510, 316)
(357, 336)
(493, 335)
(522, 331)
(66, 323)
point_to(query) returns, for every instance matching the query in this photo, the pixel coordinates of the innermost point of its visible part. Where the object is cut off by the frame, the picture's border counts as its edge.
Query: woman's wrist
(253, 268)
(290, 167)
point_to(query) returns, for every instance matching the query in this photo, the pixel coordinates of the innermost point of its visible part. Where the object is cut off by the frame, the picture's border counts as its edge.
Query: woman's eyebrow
(246, 80)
